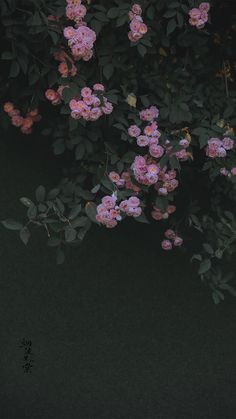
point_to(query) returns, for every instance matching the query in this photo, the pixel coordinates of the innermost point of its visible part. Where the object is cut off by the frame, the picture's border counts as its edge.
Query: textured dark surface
(121, 330)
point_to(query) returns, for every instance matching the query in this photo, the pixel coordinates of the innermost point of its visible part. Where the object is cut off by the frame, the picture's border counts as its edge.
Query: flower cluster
(182, 154)
(123, 181)
(67, 67)
(218, 148)
(137, 27)
(80, 38)
(80, 41)
(167, 181)
(75, 11)
(91, 105)
(227, 172)
(199, 16)
(55, 96)
(145, 170)
(109, 213)
(131, 207)
(149, 114)
(171, 239)
(158, 215)
(24, 123)
(150, 135)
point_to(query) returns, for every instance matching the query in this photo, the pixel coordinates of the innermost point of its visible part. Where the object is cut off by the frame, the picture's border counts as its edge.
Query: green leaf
(68, 94)
(54, 241)
(32, 212)
(26, 202)
(91, 211)
(52, 194)
(70, 234)
(25, 235)
(207, 247)
(170, 13)
(79, 222)
(196, 257)
(205, 266)
(79, 151)
(142, 219)
(96, 188)
(74, 212)
(12, 224)
(108, 70)
(113, 13)
(40, 193)
(142, 50)
(171, 26)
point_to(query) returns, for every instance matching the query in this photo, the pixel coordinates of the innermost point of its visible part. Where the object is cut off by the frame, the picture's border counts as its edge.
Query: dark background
(122, 330)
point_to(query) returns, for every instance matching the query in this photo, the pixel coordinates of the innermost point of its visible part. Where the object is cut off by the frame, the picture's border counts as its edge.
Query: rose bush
(142, 95)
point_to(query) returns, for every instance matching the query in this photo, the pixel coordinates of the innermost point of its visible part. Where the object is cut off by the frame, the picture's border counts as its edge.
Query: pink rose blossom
(166, 245)
(134, 131)
(178, 241)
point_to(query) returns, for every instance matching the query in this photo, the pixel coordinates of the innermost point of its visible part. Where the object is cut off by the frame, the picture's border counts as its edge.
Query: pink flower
(63, 69)
(51, 94)
(221, 152)
(17, 120)
(114, 177)
(178, 241)
(137, 28)
(25, 130)
(215, 147)
(184, 143)
(27, 122)
(157, 214)
(69, 32)
(149, 114)
(136, 9)
(204, 18)
(81, 11)
(8, 107)
(143, 29)
(156, 151)
(73, 104)
(204, 7)
(171, 209)
(170, 234)
(86, 92)
(142, 141)
(108, 108)
(133, 202)
(233, 171)
(195, 13)
(124, 205)
(76, 114)
(98, 87)
(135, 25)
(134, 131)
(134, 212)
(151, 130)
(96, 101)
(228, 143)
(224, 171)
(152, 168)
(109, 201)
(166, 245)
(182, 155)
